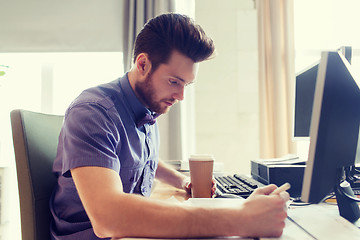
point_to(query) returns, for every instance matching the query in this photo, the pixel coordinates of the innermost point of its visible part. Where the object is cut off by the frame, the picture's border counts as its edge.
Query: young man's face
(165, 87)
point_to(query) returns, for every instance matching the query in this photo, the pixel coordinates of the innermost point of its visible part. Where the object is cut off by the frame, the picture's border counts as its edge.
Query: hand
(187, 186)
(266, 212)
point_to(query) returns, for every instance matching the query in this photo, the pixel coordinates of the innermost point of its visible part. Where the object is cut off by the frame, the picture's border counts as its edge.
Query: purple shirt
(100, 130)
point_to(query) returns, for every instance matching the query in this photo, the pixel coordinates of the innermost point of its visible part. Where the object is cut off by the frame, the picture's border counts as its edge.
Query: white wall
(61, 26)
(226, 88)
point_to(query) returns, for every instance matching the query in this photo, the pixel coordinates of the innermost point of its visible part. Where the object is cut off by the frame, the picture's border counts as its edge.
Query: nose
(179, 95)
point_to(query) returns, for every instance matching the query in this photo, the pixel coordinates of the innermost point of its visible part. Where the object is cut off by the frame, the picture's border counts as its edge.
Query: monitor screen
(304, 96)
(334, 127)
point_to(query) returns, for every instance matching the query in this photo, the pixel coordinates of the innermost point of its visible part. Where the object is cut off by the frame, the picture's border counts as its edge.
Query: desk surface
(319, 221)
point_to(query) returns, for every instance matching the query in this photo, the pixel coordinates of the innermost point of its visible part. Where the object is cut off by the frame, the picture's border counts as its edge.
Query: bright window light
(48, 82)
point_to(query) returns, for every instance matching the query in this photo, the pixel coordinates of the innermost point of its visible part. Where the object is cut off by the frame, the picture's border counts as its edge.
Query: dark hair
(167, 32)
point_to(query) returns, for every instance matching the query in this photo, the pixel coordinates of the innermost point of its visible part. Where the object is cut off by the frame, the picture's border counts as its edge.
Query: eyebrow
(179, 78)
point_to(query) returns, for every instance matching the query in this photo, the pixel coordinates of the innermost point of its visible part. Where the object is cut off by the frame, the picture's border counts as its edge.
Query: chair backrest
(35, 137)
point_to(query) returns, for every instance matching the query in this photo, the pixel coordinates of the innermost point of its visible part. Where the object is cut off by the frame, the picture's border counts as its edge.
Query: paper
(215, 202)
(288, 159)
(292, 232)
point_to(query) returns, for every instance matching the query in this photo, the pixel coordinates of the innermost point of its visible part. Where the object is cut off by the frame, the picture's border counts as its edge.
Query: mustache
(172, 101)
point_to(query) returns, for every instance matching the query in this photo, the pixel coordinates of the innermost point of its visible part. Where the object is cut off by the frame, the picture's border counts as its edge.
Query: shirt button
(131, 179)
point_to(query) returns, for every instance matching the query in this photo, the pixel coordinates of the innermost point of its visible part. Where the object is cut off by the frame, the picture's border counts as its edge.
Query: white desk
(322, 221)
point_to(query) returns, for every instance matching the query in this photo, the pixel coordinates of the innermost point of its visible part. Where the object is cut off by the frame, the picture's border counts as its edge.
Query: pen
(282, 188)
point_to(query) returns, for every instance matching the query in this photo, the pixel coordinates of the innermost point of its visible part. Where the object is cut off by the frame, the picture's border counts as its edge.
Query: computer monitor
(334, 134)
(304, 95)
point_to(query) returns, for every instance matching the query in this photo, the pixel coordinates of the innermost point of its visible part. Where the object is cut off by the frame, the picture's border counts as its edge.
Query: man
(108, 152)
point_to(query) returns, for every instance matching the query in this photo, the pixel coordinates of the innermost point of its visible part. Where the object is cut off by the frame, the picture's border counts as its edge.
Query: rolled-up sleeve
(90, 138)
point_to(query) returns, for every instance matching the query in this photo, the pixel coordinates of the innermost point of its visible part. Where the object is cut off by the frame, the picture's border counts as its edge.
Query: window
(325, 25)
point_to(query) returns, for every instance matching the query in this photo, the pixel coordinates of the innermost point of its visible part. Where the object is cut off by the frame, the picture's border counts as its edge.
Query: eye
(174, 82)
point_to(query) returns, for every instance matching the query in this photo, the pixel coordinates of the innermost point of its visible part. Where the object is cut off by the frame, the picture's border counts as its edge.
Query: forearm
(169, 175)
(140, 217)
(114, 213)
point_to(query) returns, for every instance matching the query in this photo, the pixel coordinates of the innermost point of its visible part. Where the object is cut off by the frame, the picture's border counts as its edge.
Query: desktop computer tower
(279, 173)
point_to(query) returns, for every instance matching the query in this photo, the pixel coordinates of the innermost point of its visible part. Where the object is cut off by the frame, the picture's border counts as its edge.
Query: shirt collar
(138, 109)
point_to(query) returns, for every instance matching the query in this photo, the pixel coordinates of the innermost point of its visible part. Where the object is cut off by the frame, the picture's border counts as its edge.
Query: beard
(146, 92)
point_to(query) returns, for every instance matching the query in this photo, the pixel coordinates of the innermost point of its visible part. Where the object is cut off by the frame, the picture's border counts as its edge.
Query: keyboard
(356, 191)
(237, 184)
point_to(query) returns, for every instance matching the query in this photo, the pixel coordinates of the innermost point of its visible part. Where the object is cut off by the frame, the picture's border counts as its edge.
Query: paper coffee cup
(201, 175)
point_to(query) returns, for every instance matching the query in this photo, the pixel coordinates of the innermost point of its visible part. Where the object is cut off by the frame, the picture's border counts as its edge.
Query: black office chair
(35, 137)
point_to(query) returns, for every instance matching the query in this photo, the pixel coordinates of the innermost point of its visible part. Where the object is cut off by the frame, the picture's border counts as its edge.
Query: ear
(143, 64)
